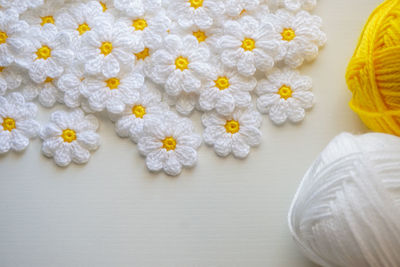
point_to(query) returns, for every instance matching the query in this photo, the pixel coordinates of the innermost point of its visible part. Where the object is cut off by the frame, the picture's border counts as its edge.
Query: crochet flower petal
(18, 140)
(154, 160)
(223, 145)
(172, 166)
(278, 112)
(251, 134)
(89, 140)
(212, 133)
(123, 126)
(62, 157)
(29, 127)
(186, 155)
(79, 155)
(240, 148)
(147, 145)
(5, 144)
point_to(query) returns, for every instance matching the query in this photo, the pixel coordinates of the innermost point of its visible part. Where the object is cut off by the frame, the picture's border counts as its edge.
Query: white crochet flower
(130, 123)
(105, 48)
(293, 5)
(234, 8)
(115, 92)
(249, 46)
(70, 136)
(137, 7)
(300, 36)
(47, 92)
(180, 65)
(202, 13)
(232, 134)
(72, 83)
(285, 95)
(49, 53)
(44, 14)
(10, 79)
(149, 28)
(12, 40)
(81, 18)
(168, 143)
(226, 89)
(20, 5)
(17, 124)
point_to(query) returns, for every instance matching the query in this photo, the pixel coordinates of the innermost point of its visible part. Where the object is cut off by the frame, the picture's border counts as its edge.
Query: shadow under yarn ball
(373, 74)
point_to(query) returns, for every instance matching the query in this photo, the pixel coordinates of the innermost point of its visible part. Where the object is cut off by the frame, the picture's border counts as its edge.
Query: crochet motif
(285, 94)
(225, 89)
(169, 143)
(142, 62)
(249, 45)
(70, 136)
(234, 134)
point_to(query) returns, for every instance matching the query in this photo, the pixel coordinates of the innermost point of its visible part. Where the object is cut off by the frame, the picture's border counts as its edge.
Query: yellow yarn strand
(373, 74)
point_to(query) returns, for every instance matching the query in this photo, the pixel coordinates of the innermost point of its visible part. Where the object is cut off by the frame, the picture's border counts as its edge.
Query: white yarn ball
(346, 211)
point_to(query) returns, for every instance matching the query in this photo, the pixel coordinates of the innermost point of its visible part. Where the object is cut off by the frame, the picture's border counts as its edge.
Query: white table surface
(225, 212)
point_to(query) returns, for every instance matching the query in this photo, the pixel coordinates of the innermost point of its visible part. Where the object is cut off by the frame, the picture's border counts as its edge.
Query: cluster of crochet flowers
(148, 64)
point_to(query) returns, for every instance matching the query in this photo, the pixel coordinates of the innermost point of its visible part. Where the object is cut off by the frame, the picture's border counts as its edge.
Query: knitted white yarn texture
(346, 210)
(150, 64)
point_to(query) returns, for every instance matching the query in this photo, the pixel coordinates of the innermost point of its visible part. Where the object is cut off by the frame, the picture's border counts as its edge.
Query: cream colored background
(225, 212)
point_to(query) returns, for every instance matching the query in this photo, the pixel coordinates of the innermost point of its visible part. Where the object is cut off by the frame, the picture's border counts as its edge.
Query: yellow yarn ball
(373, 74)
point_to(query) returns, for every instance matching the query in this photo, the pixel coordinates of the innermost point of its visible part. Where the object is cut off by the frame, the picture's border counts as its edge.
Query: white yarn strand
(346, 210)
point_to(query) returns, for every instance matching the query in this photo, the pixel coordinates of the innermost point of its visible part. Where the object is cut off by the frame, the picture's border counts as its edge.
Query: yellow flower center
(47, 19)
(169, 143)
(222, 83)
(48, 80)
(68, 135)
(8, 124)
(3, 37)
(2, 68)
(232, 126)
(288, 34)
(112, 83)
(104, 6)
(241, 12)
(142, 55)
(196, 3)
(139, 24)
(106, 48)
(44, 52)
(83, 28)
(200, 35)
(139, 111)
(285, 92)
(248, 44)
(181, 63)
